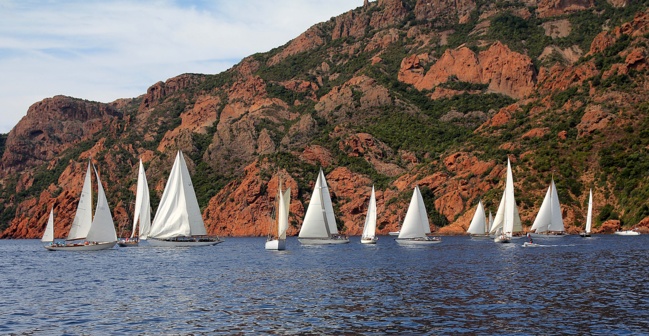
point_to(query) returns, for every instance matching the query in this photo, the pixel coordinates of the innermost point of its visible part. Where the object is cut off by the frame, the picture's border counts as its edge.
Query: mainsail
(507, 217)
(369, 229)
(319, 220)
(413, 223)
(178, 213)
(549, 218)
(282, 212)
(589, 216)
(142, 205)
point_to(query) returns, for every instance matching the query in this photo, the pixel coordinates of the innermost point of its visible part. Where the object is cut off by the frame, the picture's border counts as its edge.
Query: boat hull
(81, 247)
(372, 240)
(323, 241)
(627, 233)
(418, 241)
(276, 245)
(484, 236)
(528, 244)
(502, 240)
(584, 234)
(195, 242)
(394, 233)
(129, 243)
(549, 235)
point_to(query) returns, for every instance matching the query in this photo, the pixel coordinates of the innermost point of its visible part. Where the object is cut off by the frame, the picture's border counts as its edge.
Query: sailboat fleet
(178, 221)
(86, 233)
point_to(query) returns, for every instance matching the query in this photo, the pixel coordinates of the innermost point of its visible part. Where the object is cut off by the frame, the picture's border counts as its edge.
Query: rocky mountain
(395, 93)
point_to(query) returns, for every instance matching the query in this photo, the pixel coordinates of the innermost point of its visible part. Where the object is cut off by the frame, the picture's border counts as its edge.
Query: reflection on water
(461, 286)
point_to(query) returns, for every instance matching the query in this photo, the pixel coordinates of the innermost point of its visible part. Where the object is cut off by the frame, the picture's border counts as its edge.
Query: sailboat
(549, 222)
(415, 224)
(507, 221)
(178, 221)
(589, 215)
(142, 211)
(369, 229)
(479, 226)
(87, 233)
(319, 225)
(283, 203)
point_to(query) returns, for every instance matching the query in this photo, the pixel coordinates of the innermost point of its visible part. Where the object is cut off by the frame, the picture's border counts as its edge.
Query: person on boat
(529, 238)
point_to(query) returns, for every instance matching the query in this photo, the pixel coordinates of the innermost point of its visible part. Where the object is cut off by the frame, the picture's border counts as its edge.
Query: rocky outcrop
(52, 126)
(548, 8)
(157, 92)
(360, 92)
(505, 71)
(444, 11)
(595, 118)
(245, 207)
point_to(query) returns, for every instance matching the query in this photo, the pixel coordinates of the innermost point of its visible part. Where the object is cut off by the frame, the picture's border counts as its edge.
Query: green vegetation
(3, 141)
(521, 35)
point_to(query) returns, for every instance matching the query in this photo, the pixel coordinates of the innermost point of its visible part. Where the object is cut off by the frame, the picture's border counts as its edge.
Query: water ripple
(461, 286)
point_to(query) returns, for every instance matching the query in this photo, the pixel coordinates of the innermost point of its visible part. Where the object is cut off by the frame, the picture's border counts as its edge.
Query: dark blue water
(597, 286)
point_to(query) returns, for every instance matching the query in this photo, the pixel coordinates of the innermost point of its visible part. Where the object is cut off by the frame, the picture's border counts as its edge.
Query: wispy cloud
(104, 50)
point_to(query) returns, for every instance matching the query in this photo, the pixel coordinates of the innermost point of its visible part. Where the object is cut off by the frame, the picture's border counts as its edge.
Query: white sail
(589, 216)
(83, 216)
(102, 228)
(369, 228)
(328, 207)
(178, 213)
(549, 217)
(142, 205)
(412, 224)
(48, 235)
(319, 221)
(507, 216)
(424, 214)
(282, 212)
(543, 217)
(478, 224)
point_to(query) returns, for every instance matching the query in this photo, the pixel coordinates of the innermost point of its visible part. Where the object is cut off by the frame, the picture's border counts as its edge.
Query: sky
(102, 50)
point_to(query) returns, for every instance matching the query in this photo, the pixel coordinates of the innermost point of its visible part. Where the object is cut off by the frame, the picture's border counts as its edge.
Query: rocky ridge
(387, 63)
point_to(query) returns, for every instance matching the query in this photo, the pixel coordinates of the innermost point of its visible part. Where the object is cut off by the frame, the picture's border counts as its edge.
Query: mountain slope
(396, 93)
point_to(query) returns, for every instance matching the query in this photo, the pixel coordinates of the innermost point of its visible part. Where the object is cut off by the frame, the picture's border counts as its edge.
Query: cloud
(104, 50)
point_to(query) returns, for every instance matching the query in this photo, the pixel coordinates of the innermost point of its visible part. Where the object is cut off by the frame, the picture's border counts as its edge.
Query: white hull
(502, 240)
(81, 247)
(322, 241)
(276, 244)
(394, 233)
(528, 244)
(127, 243)
(184, 243)
(627, 233)
(585, 234)
(550, 235)
(484, 236)
(418, 241)
(372, 240)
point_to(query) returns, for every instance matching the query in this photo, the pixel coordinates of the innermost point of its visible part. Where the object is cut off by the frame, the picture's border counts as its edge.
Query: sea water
(572, 285)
